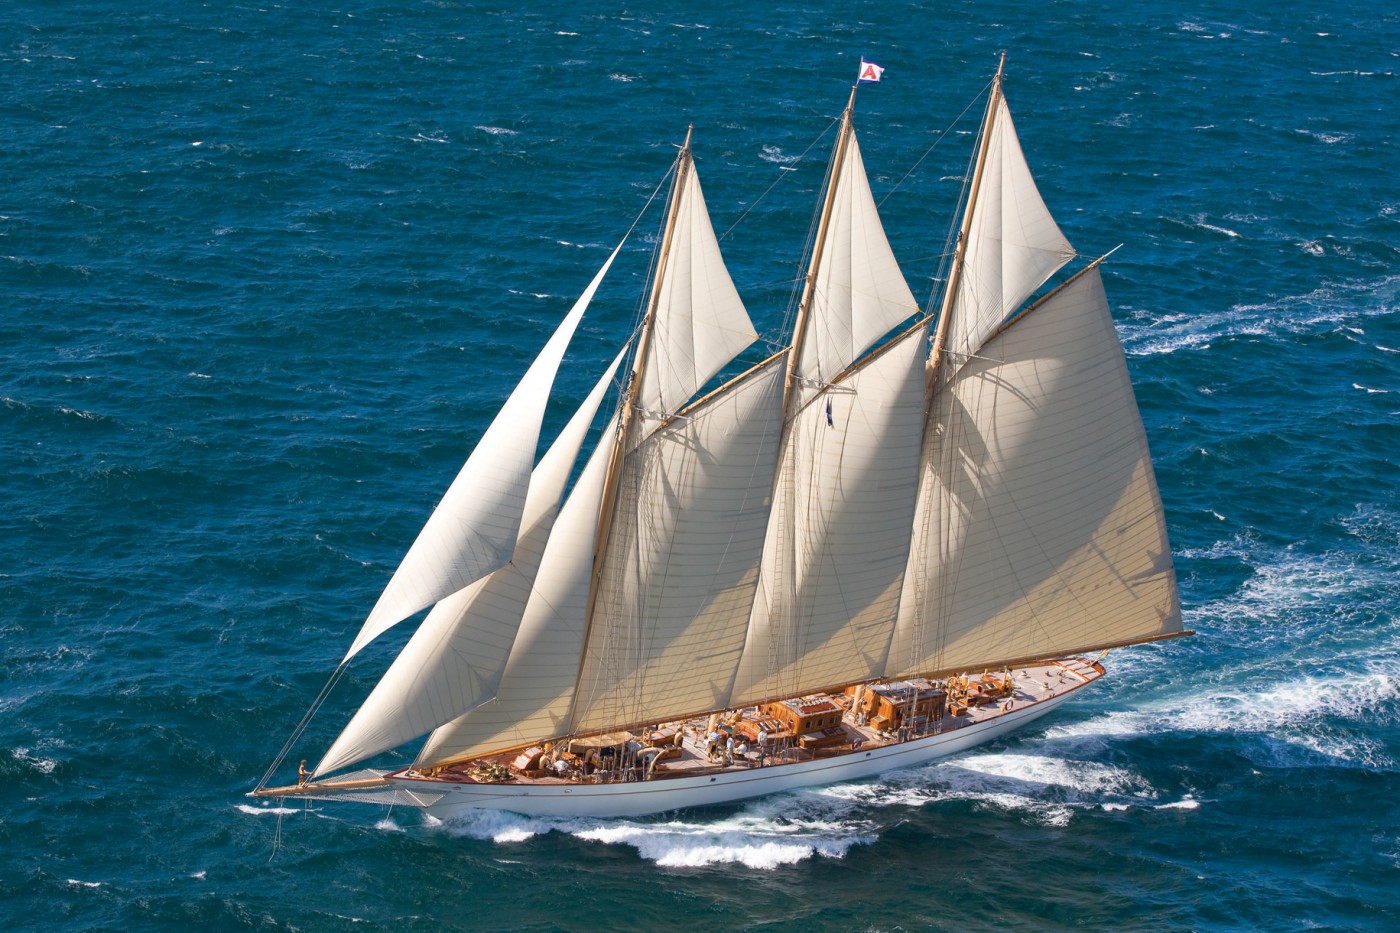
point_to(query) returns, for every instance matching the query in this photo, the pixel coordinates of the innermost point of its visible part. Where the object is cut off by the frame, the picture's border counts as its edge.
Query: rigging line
(782, 173)
(340, 670)
(652, 197)
(941, 136)
(301, 726)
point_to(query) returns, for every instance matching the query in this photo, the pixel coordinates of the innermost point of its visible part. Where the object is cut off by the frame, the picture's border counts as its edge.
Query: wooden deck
(986, 698)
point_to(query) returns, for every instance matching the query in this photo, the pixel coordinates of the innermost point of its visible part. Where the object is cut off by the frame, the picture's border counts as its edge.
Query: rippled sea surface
(269, 270)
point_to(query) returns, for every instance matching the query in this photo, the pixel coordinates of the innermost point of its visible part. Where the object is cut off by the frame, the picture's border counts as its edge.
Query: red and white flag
(869, 72)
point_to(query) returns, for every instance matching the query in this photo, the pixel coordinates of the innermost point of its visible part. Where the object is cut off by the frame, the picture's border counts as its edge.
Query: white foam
(261, 811)
(1200, 221)
(388, 825)
(1187, 804)
(1330, 304)
(42, 765)
(776, 155)
(1291, 714)
(768, 833)
(74, 882)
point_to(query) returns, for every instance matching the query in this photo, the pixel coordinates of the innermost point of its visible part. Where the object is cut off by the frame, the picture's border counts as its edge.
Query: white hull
(639, 798)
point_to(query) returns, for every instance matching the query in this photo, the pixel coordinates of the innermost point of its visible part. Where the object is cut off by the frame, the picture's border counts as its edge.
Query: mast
(804, 308)
(955, 273)
(628, 415)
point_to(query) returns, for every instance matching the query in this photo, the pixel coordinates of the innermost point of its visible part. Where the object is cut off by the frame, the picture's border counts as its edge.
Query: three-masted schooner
(844, 560)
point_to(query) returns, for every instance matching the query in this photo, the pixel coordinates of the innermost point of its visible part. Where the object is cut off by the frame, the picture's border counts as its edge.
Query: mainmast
(804, 308)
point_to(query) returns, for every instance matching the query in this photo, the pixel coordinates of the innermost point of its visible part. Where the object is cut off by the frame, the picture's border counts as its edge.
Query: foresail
(1040, 529)
(681, 561)
(837, 540)
(700, 322)
(537, 686)
(1013, 244)
(858, 291)
(474, 528)
(454, 660)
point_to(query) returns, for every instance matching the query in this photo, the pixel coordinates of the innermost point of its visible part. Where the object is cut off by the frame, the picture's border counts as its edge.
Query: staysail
(474, 528)
(694, 326)
(454, 660)
(537, 686)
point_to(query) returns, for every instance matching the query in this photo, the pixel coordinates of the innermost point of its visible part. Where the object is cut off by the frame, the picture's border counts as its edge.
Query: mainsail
(837, 538)
(1038, 521)
(1042, 531)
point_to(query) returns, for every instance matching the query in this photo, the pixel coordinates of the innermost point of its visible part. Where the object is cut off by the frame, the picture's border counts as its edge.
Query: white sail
(700, 322)
(455, 659)
(473, 530)
(1013, 244)
(858, 290)
(535, 691)
(681, 562)
(1041, 529)
(838, 537)
(869, 517)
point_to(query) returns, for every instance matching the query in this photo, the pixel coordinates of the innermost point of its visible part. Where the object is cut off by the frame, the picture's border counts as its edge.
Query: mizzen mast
(950, 293)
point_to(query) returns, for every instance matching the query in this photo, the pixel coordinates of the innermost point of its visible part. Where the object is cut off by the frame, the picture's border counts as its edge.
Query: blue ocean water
(271, 267)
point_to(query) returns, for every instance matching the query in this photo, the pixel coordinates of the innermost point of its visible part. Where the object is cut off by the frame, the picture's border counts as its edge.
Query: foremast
(627, 415)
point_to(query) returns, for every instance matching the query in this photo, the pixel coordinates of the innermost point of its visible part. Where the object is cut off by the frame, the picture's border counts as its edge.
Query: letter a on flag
(870, 72)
